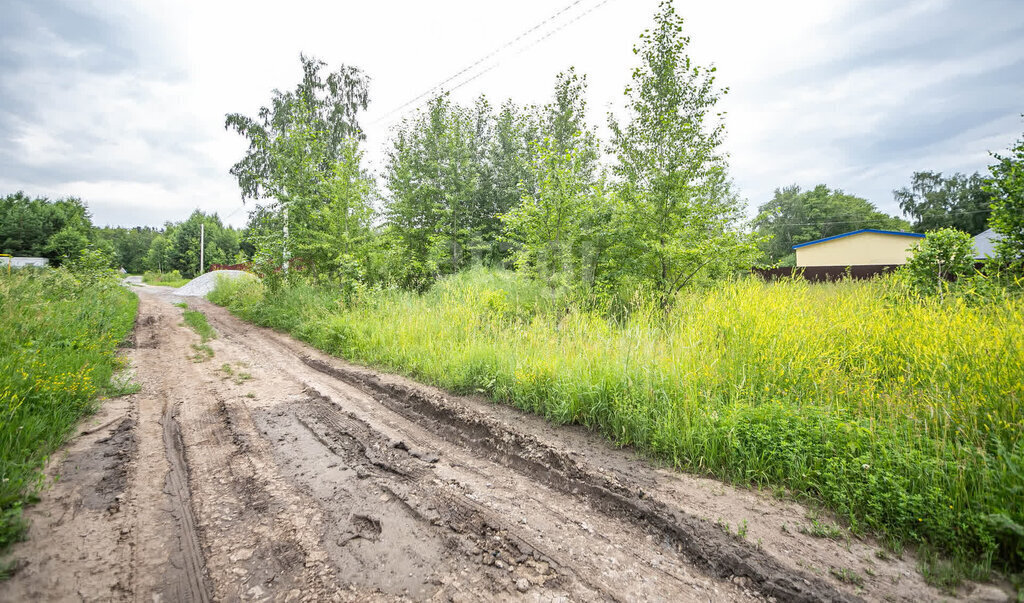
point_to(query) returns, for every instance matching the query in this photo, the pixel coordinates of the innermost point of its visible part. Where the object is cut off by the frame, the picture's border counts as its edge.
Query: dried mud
(273, 472)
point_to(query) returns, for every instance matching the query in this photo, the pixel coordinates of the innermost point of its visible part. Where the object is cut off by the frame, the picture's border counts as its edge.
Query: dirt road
(272, 472)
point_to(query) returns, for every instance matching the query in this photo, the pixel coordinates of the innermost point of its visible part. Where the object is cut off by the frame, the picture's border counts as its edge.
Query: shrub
(943, 255)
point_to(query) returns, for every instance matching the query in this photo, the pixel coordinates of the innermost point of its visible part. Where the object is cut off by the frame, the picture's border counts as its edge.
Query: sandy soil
(273, 472)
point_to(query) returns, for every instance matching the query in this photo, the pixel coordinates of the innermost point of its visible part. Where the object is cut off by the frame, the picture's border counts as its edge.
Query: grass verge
(904, 417)
(58, 341)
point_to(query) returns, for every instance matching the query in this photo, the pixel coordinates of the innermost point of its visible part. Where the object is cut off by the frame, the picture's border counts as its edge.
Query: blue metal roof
(847, 234)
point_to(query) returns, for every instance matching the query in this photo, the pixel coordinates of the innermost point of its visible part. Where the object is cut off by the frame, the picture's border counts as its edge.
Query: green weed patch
(197, 322)
(58, 342)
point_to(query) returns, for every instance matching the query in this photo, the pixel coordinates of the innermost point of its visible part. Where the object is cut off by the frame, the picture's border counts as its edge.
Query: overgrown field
(903, 416)
(58, 339)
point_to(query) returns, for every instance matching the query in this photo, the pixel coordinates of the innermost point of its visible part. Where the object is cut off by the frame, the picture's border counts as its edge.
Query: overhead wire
(417, 101)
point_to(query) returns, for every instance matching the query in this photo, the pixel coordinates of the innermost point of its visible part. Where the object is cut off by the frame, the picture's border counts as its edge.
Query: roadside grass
(164, 279)
(58, 354)
(902, 416)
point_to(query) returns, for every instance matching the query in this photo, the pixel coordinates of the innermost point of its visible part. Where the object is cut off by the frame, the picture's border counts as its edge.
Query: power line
(479, 61)
(238, 209)
(537, 41)
(494, 53)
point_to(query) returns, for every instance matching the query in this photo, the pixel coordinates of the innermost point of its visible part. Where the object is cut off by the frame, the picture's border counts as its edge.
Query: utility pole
(202, 248)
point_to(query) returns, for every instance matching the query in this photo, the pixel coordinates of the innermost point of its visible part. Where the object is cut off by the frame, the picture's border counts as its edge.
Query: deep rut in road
(274, 472)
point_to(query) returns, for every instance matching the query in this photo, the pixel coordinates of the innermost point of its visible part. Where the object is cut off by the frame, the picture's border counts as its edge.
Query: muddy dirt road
(272, 472)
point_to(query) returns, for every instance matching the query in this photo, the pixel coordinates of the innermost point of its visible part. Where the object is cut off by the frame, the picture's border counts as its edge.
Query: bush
(944, 255)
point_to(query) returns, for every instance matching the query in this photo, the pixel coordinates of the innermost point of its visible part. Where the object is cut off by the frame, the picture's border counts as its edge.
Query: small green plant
(819, 529)
(197, 321)
(202, 352)
(847, 576)
(181, 305)
(741, 529)
(121, 385)
(250, 395)
(239, 377)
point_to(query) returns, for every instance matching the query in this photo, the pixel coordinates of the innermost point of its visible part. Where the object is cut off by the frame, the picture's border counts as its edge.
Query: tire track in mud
(590, 576)
(383, 498)
(191, 584)
(702, 543)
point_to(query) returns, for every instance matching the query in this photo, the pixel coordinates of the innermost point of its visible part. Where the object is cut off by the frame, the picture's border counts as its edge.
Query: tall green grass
(58, 340)
(903, 416)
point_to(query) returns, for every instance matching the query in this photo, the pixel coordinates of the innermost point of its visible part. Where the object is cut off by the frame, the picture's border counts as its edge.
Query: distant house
(19, 262)
(865, 247)
(985, 244)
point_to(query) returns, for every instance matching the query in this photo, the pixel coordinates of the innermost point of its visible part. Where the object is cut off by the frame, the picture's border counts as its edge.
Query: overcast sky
(123, 103)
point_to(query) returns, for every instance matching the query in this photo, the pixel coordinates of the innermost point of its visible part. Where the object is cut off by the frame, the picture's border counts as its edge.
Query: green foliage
(158, 255)
(675, 214)
(942, 255)
(552, 228)
(433, 180)
(324, 107)
(901, 415)
(304, 156)
(182, 248)
(130, 246)
(58, 343)
(793, 217)
(56, 230)
(934, 202)
(93, 266)
(66, 243)
(335, 238)
(1007, 188)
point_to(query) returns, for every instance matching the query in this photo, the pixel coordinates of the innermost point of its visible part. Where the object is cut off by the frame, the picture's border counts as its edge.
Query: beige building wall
(864, 249)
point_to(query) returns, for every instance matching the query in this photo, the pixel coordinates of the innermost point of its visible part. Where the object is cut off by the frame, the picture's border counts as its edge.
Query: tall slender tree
(433, 178)
(295, 144)
(677, 215)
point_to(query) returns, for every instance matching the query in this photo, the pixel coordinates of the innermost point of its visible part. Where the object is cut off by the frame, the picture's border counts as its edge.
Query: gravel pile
(201, 285)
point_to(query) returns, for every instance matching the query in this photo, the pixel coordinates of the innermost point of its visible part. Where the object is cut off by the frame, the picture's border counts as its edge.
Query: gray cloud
(86, 97)
(903, 87)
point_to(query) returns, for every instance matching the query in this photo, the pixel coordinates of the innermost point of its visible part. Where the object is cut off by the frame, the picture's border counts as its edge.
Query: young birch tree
(676, 214)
